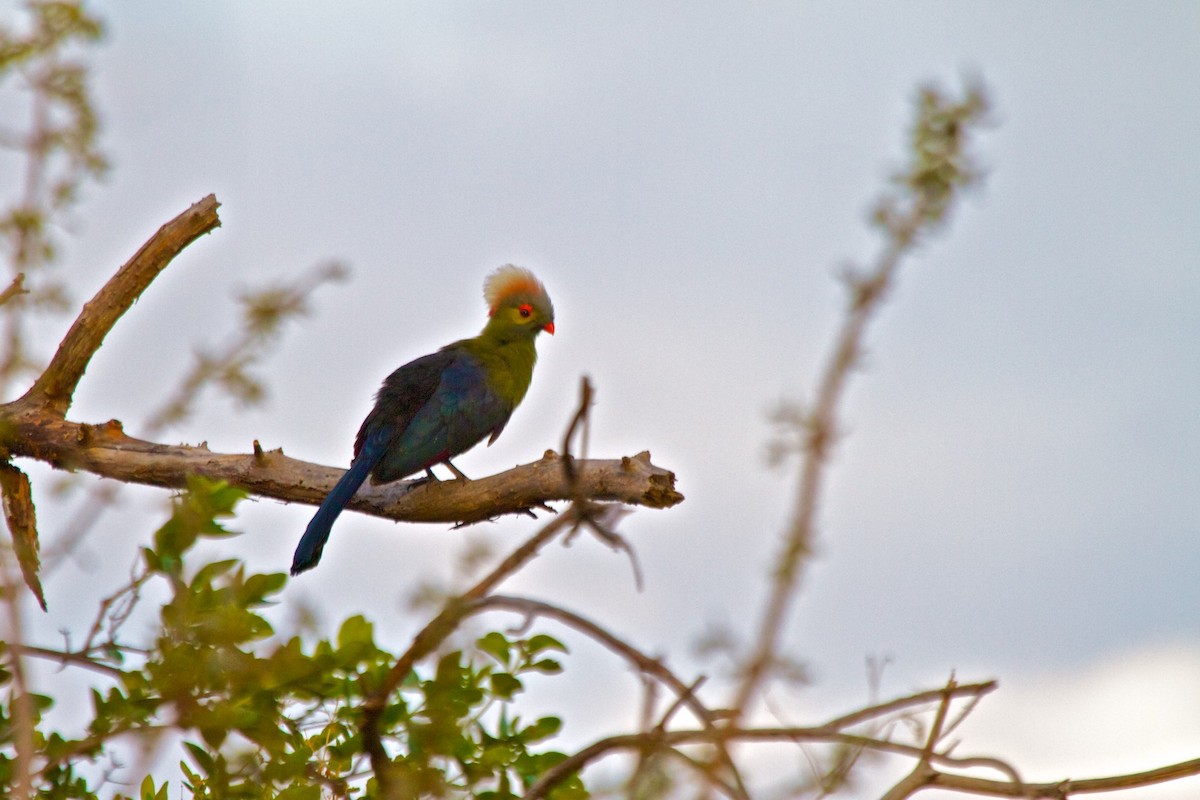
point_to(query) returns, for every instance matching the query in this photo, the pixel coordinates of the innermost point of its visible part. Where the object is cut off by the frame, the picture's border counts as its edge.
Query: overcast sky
(1018, 495)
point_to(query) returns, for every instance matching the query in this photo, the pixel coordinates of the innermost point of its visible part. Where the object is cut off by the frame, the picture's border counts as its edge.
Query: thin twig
(575, 762)
(908, 701)
(17, 287)
(822, 430)
(63, 657)
(685, 694)
(1068, 787)
(923, 771)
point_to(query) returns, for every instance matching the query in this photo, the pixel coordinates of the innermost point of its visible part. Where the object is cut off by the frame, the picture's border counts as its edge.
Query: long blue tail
(308, 552)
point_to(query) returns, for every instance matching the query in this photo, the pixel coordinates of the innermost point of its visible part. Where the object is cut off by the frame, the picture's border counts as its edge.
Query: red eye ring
(525, 310)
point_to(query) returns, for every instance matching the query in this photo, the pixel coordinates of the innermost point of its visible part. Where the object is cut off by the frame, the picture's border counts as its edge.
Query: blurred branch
(59, 147)
(643, 663)
(1057, 790)
(63, 657)
(1064, 788)
(834, 731)
(685, 695)
(21, 712)
(264, 312)
(17, 287)
(940, 166)
(731, 734)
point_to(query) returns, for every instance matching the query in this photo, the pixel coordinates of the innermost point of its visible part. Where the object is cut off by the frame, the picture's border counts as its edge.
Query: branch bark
(105, 450)
(35, 426)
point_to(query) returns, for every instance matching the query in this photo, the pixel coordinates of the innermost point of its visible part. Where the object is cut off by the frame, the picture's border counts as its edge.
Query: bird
(439, 406)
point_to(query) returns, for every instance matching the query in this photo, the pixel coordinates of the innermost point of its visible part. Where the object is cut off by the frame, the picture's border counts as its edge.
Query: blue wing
(459, 411)
(426, 412)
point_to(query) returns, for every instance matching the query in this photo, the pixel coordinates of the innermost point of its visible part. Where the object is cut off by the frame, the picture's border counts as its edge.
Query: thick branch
(53, 390)
(106, 451)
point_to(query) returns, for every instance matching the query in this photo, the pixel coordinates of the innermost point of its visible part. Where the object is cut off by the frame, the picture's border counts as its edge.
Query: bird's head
(518, 305)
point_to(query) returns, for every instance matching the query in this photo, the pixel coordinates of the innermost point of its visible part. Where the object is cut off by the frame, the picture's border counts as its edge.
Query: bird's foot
(425, 481)
(457, 472)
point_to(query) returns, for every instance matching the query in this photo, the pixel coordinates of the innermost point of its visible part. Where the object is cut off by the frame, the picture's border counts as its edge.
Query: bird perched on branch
(445, 403)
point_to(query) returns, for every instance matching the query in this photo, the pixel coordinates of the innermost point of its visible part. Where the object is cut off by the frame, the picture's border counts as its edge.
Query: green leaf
(202, 757)
(212, 570)
(356, 631)
(148, 792)
(258, 587)
(496, 646)
(542, 642)
(541, 729)
(300, 792)
(547, 666)
(505, 685)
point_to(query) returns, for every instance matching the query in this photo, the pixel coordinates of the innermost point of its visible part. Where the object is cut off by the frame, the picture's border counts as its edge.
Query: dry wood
(106, 451)
(35, 426)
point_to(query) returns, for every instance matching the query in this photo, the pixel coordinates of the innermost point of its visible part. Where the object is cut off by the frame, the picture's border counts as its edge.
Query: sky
(1016, 494)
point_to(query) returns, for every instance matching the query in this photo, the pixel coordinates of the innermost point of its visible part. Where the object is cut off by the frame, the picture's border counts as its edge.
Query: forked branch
(35, 426)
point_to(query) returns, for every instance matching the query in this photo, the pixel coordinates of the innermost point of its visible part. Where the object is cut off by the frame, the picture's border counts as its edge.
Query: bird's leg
(457, 472)
(425, 481)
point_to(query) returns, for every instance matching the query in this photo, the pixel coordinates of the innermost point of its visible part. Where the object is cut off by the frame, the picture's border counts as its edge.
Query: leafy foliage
(262, 718)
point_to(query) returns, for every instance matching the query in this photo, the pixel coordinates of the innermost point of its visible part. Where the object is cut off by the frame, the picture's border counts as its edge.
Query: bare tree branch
(685, 695)
(982, 786)
(53, 390)
(1065, 788)
(929, 185)
(728, 734)
(642, 662)
(970, 690)
(35, 427)
(106, 451)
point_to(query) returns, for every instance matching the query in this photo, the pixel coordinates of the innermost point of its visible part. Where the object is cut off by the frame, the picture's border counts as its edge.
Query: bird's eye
(525, 310)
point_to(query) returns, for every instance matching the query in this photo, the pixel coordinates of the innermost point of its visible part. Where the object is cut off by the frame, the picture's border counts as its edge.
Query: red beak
(549, 328)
